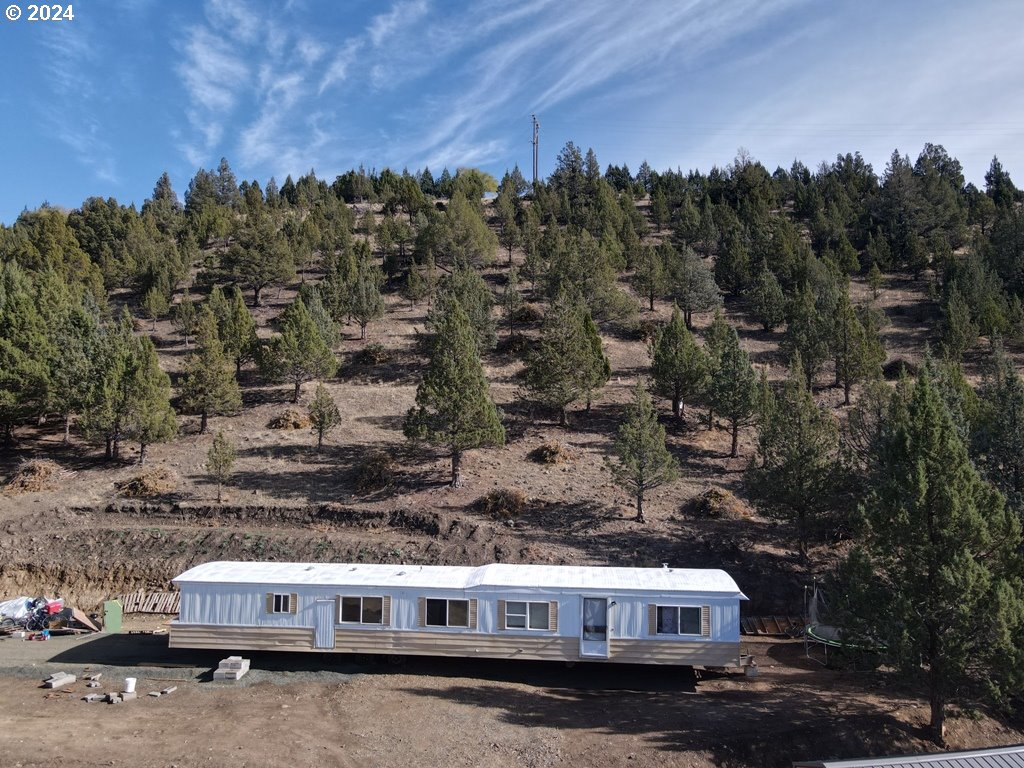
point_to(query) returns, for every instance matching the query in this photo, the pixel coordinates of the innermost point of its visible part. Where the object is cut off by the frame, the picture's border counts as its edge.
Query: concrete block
(129, 695)
(58, 680)
(155, 694)
(92, 698)
(168, 690)
(113, 698)
(229, 674)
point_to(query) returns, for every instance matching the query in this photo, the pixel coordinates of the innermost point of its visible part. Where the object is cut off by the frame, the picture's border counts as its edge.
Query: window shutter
(293, 603)
(553, 616)
(705, 620)
(501, 614)
(270, 602)
(472, 613)
(652, 618)
(386, 610)
(421, 618)
(337, 609)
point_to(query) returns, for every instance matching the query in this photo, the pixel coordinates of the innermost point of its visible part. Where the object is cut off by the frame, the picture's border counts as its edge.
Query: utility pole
(536, 145)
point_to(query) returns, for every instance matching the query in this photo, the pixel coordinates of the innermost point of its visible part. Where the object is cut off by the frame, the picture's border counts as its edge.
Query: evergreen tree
(733, 389)
(941, 556)
(798, 452)
(207, 387)
(644, 463)
(875, 280)
(260, 256)
(220, 460)
(511, 299)
(560, 370)
(75, 347)
(150, 418)
(365, 302)
(311, 297)
(679, 365)
(467, 286)
(415, 287)
(693, 285)
(959, 332)
(155, 305)
(732, 264)
(767, 301)
(110, 403)
(299, 354)
(218, 305)
(453, 405)
(659, 209)
(508, 227)
(807, 333)
(238, 332)
(716, 340)
(184, 317)
(858, 352)
(649, 276)
(323, 414)
(598, 368)
(1000, 432)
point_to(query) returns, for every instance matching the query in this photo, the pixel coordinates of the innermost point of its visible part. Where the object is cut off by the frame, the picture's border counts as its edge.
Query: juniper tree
(150, 418)
(467, 286)
(598, 368)
(511, 299)
(937, 577)
(644, 463)
(716, 339)
(325, 324)
(999, 436)
(959, 331)
(807, 333)
(692, 284)
(220, 460)
(184, 317)
(679, 365)
(155, 305)
(74, 346)
(207, 387)
(798, 457)
(299, 354)
(875, 280)
(453, 407)
(561, 369)
(733, 389)
(649, 275)
(105, 417)
(238, 332)
(365, 302)
(857, 351)
(767, 301)
(323, 414)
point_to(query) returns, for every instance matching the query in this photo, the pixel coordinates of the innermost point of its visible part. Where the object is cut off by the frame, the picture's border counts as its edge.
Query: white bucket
(129, 685)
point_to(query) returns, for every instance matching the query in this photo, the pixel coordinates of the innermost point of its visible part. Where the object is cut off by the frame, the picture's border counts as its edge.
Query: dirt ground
(324, 710)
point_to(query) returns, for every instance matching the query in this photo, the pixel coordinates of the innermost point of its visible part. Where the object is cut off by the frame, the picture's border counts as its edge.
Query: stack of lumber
(150, 602)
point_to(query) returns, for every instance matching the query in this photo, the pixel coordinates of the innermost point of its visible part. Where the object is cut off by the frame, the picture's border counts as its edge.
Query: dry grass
(150, 482)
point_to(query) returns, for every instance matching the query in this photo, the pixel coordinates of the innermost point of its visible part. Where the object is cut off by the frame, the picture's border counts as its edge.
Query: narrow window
(282, 604)
(515, 615)
(373, 610)
(539, 614)
(689, 621)
(437, 613)
(350, 609)
(458, 613)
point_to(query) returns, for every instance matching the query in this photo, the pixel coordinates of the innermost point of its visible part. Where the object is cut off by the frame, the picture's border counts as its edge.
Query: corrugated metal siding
(997, 757)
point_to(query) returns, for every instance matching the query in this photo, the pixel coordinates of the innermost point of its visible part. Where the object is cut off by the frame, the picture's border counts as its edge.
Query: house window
(447, 613)
(678, 620)
(362, 610)
(282, 604)
(524, 615)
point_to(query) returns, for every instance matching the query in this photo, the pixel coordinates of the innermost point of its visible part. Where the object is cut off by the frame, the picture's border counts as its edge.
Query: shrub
(506, 503)
(552, 453)
(376, 471)
(372, 354)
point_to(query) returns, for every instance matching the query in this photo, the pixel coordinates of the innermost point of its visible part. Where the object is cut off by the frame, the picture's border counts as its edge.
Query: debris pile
(151, 482)
(39, 617)
(292, 418)
(36, 475)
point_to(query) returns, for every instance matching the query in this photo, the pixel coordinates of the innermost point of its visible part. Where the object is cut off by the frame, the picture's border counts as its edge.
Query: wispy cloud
(402, 14)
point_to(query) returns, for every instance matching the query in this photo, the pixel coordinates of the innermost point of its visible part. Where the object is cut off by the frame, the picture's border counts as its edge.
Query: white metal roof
(995, 757)
(463, 577)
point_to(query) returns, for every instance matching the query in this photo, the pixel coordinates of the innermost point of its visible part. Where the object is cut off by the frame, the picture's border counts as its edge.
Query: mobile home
(547, 612)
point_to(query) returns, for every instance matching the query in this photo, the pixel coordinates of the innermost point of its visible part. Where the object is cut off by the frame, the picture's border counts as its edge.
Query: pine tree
(238, 332)
(716, 340)
(299, 354)
(960, 331)
(155, 305)
(733, 389)
(644, 463)
(467, 286)
(453, 405)
(415, 288)
(767, 301)
(942, 551)
(184, 317)
(875, 280)
(1000, 432)
(679, 365)
(150, 418)
(105, 417)
(220, 460)
(693, 285)
(208, 388)
(807, 333)
(75, 346)
(217, 303)
(324, 414)
(798, 452)
(322, 319)
(659, 209)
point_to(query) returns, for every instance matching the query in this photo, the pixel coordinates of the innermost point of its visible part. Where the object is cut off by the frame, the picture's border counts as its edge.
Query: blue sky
(103, 104)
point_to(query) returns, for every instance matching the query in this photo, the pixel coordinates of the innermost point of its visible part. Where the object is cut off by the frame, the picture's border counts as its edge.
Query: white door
(323, 612)
(594, 638)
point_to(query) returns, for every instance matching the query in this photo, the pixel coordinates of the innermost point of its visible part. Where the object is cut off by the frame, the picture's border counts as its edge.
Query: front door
(594, 639)
(323, 611)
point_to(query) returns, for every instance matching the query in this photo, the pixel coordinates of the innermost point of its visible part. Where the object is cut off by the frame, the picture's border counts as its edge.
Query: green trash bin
(112, 614)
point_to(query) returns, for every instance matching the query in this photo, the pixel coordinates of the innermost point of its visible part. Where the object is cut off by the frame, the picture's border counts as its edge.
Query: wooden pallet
(773, 626)
(150, 602)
